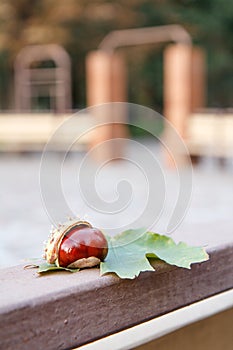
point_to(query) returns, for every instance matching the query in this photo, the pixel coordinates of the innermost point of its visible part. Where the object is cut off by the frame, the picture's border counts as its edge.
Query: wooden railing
(31, 132)
(66, 310)
(210, 134)
(207, 134)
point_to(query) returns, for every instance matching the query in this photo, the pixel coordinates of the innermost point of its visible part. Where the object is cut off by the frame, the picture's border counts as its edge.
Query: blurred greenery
(80, 26)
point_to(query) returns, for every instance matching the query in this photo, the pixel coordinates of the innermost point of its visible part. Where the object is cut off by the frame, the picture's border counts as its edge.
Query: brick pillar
(177, 94)
(106, 82)
(177, 85)
(106, 78)
(98, 72)
(198, 71)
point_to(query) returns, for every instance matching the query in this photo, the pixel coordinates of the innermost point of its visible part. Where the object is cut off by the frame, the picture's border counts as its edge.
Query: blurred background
(48, 72)
(80, 26)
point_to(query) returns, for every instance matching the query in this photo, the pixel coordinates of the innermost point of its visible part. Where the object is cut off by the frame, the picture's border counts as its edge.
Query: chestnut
(76, 244)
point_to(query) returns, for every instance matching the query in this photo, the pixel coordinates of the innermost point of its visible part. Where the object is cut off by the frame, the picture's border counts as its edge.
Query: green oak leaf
(46, 267)
(129, 252)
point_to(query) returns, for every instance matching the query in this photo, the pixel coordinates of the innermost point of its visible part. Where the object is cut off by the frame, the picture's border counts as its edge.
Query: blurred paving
(24, 224)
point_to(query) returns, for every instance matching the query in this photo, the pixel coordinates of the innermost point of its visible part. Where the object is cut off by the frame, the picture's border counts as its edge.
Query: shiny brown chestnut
(76, 244)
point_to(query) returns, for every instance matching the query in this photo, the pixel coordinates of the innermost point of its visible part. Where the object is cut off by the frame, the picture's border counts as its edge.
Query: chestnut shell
(76, 244)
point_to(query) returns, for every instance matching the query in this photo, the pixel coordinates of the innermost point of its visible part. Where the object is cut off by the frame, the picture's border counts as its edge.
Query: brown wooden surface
(62, 310)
